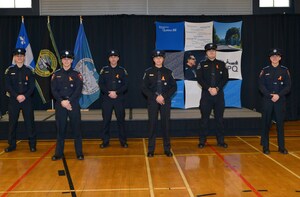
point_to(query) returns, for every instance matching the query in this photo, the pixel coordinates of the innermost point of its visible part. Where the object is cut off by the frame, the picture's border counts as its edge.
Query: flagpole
(52, 100)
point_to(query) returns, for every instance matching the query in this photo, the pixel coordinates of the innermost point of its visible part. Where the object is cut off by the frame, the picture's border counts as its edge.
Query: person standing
(159, 85)
(212, 77)
(274, 83)
(113, 84)
(19, 84)
(66, 87)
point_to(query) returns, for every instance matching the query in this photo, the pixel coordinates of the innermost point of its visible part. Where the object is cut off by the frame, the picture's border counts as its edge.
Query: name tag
(151, 75)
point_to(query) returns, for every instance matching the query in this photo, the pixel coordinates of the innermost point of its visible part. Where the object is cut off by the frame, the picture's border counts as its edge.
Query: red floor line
(28, 171)
(236, 172)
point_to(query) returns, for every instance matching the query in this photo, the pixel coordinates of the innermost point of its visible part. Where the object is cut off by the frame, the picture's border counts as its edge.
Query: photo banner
(228, 35)
(197, 35)
(174, 62)
(178, 98)
(233, 63)
(192, 94)
(170, 36)
(232, 93)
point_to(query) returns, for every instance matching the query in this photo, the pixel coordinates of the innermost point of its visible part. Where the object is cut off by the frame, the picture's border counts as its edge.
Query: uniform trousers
(61, 116)
(14, 108)
(273, 110)
(153, 109)
(108, 105)
(207, 104)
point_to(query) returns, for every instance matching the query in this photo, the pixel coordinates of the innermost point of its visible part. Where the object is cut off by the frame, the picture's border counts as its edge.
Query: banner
(84, 64)
(233, 63)
(170, 36)
(197, 35)
(193, 93)
(46, 65)
(174, 62)
(232, 93)
(23, 42)
(178, 98)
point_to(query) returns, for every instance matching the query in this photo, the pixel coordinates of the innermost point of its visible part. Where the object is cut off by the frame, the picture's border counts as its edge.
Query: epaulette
(126, 73)
(283, 67)
(148, 69)
(102, 69)
(11, 66)
(265, 67)
(57, 70)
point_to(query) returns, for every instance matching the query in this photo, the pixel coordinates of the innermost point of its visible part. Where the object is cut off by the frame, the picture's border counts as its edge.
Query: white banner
(192, 94)
(233, 63)
(197, 35)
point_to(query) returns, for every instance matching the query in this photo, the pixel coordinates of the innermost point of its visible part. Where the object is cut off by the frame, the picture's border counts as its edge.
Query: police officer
(212, 76)
(190, 68)
(158, 86)
(19, 84)
(66, 86)
(113, 84)
(274, 83)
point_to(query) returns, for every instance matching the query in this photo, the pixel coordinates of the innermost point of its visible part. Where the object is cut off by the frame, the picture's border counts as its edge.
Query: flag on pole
(83, 63)
(23, 42)
(47, 63)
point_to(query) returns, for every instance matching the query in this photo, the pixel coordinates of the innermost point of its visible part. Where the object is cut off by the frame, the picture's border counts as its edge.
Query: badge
(71, 85)
(165, 83)
(280, 78)
(25, 83)
(217, 67)
(13, 73)
(267, 74)
(70, 79)
(163, 78)
(117, 76)
(205, 66)
(26, 78)
(119, 81)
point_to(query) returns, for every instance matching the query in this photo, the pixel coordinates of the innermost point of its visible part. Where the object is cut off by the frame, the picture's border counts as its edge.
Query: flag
(84, 64)
(23, 42)
(47, 63)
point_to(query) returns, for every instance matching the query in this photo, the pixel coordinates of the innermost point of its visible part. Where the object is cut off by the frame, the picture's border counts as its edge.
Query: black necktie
(159, 85)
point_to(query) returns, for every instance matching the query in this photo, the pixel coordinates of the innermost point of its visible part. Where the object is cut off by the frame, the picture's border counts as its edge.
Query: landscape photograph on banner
(228, 35)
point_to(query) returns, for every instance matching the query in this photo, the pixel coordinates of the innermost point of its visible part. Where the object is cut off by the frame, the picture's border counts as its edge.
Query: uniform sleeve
(102, 86)
(262, 86)
(78, 88)
(31, 83)
(200, 78)
(124, 86)
(145, 87)
(173, 87)
(287, 83)
(8, 85)
(54, 90)
(224, 78)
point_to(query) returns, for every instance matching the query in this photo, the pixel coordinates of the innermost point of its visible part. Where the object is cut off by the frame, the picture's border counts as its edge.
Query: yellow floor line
(183, 177)
(290, 171)
(148, 170)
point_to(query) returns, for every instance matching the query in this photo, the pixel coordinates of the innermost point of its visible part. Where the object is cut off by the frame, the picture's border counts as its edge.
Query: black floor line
(73, 193)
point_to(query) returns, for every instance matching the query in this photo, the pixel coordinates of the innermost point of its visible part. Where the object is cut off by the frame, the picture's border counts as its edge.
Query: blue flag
(23, 42)
(83, 63)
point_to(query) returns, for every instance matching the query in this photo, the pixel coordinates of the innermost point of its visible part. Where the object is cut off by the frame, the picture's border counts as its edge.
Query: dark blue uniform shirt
(113, 79)
(66, 85)
(274, 80)
(19, 81)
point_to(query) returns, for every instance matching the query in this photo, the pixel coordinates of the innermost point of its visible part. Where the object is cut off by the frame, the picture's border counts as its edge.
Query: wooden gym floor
(239, 170)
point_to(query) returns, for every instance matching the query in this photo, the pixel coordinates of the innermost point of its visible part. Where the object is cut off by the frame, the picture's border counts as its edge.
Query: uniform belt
(65, 97)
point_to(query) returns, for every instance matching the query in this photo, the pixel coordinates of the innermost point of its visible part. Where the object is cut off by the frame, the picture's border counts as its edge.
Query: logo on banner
(47, 63)
(90, 85)
(233, 66)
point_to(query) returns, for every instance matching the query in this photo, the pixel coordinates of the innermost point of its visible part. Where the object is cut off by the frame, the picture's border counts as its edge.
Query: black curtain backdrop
(134, 37)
